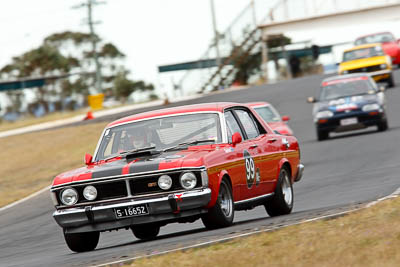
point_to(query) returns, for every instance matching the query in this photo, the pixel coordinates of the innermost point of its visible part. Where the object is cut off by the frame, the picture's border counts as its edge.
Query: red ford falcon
(177, 165)
(271, 116)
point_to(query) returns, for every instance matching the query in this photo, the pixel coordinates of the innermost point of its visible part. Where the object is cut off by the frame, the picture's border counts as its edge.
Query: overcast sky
(150, 33)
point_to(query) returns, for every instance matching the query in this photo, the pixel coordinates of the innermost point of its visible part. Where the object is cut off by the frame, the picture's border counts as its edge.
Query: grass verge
(30, 161)
(369, 237)
(30, 120)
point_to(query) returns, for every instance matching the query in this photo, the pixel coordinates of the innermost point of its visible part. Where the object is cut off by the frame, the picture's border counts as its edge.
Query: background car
(390, 45)
(187, 163)
(270, 115)
(348, 102)
(368, 58)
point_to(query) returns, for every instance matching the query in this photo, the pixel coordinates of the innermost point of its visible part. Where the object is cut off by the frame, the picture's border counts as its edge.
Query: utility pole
(214, 22)
(89, 5)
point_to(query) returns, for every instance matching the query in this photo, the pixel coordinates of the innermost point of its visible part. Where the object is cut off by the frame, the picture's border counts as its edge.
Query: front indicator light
(188, 180)
(69, 196)
(323, 121)
(90, 192)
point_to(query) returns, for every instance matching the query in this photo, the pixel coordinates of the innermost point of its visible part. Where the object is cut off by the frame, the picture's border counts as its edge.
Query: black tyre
(82, 242)
(322, 135)
(145, 232)
(383, 126)
(221, 215)
(390, 81)
(282, 201)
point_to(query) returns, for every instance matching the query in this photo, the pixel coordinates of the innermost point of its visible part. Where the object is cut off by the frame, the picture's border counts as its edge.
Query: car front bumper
(380, 75)
(170, 208)
(364, 120)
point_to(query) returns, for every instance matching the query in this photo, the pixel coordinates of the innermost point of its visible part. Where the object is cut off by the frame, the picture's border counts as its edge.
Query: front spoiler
(161, 210)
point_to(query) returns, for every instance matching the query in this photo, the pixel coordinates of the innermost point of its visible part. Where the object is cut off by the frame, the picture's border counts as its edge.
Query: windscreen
(363, 53)
(338, 89)
(161, 133)
(376, 38)
(268, 114)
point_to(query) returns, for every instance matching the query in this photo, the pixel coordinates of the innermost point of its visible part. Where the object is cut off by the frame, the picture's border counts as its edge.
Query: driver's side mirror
(285, 118)
(88, 159)
(311, 99)
(236, 138)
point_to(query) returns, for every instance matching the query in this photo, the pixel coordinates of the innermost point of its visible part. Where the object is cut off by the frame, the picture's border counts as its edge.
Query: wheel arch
(215, 187)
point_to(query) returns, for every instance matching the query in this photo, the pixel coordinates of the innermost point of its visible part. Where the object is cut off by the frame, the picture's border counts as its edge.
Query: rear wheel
(282, 201)
(383, 126)
(145, 232)
(322, 135)
(81, 242)
(221, 215)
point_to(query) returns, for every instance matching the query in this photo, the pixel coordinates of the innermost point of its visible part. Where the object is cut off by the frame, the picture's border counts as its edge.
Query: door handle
(253, 146)
(272, 140)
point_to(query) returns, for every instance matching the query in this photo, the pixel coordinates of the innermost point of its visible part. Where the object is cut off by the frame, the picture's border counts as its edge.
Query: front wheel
(322, 135)
(390, 81)
(81, 242)
(145, 232)
(383, 126)
(282, 201)
(221, 215)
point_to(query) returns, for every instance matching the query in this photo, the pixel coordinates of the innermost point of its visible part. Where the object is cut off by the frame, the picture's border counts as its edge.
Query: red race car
(177, 165)
(271, 116)
(390, 45)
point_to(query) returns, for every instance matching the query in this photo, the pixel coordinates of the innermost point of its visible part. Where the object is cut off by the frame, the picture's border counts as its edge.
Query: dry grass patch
(29, 162)
(370, 237)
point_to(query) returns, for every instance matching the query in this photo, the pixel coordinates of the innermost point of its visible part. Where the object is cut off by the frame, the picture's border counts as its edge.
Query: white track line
(393, 195)
(25, 199)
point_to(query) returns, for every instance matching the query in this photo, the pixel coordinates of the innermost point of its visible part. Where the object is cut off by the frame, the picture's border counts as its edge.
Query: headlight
(188, 180)
(324, 114)
(383, 66)
(90, 192)
(69, 196)
(165, 182)
(345, 72)
(370, 107)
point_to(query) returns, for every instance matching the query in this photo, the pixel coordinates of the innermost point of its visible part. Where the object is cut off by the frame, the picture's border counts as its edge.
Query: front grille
(109, 190)
(148, 185)
(366, 69)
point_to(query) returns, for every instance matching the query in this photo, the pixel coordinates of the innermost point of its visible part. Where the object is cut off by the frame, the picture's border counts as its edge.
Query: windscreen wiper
(138, 151)
(194, 142)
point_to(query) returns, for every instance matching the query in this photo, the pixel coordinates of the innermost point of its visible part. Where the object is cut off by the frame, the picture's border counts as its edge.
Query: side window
(248, 123)
(232, 125)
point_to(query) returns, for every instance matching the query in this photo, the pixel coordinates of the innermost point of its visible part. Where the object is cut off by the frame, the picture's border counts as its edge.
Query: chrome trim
(151, 118)
(300, 169)
(132, 198)
(196, 193)
(252, 199)
(379, 72)
(125, 176)
(128, 188)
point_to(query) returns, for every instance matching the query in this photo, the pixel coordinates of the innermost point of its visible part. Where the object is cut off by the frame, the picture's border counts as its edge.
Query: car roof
(258, 104)
(345, 76)
(362, 46)
(372, 34)
(212, 107)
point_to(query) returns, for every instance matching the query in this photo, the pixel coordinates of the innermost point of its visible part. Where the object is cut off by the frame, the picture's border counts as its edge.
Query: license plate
(131, 211)
(348, 121)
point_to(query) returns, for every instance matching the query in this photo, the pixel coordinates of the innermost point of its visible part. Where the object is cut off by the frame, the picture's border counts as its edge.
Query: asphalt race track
(341, 172)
